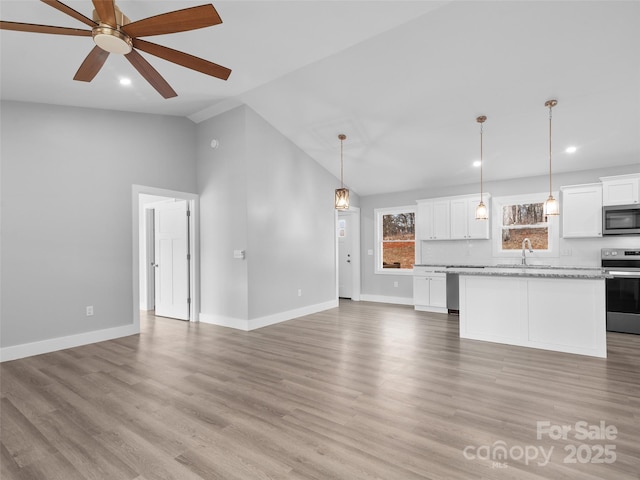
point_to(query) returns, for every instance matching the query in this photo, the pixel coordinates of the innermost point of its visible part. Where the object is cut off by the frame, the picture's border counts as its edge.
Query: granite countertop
(516, 270)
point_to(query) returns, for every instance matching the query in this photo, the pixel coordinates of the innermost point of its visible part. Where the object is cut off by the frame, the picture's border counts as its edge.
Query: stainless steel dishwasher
(453, 293)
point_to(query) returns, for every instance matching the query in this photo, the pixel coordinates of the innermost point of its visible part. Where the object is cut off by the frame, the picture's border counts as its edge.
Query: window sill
(394, 271)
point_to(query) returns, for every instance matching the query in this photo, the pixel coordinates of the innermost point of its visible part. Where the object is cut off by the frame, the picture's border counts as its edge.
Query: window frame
(551, 225)
(378, 214)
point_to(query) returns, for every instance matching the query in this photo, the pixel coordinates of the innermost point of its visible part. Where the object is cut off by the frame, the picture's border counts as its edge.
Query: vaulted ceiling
(404, 80)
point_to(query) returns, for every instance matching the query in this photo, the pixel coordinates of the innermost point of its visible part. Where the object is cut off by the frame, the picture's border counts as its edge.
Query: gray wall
(67, 212)
(291, 224)
(261, 193)
(584, 251)
(222, 185)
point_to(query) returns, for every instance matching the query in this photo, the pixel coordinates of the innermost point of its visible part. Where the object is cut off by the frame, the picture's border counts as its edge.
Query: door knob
(348, 261)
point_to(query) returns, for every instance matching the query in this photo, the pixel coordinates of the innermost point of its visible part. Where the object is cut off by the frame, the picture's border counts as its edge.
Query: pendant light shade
(342, 198)
(551, 206)
(342, 194)
(482, 212)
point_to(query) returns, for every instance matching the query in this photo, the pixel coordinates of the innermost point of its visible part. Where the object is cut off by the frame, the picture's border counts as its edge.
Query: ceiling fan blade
(184, 59)
(106, 11)
(32, 27)
(150, 74)
(91, 65)
(172, 22)
(70, 11)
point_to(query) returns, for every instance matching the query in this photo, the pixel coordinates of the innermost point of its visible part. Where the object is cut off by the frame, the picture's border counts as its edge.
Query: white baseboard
(54, 344)
(422, 308)
(223, 321)
(386, 299)
(254, 323)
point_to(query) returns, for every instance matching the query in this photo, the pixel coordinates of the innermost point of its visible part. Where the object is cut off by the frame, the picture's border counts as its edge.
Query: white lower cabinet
(429, 290)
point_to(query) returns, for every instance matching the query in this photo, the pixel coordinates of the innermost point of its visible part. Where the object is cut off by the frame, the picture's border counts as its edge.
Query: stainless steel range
(623, 290)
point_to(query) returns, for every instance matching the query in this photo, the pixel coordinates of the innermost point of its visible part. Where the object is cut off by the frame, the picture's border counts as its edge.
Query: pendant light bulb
(342, 194)
(482, 212)
(551, 206)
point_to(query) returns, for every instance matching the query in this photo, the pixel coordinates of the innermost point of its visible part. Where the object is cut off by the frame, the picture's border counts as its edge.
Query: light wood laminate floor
(363, 391)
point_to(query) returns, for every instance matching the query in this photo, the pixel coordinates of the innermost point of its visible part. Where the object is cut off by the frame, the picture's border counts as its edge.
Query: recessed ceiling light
(125, 81)
(477, 163)
(571, 149)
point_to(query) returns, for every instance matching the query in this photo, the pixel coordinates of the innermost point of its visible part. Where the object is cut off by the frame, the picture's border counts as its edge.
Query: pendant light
(482, 213)
(551, 206)
(342, 194)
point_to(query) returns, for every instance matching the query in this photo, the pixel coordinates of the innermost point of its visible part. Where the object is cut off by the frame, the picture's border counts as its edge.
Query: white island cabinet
(551, 311)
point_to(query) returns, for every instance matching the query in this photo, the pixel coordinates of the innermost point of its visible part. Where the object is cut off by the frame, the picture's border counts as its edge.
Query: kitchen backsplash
(574, 252)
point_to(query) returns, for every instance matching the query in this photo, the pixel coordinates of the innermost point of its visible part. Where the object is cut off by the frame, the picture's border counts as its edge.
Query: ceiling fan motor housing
(112, 39)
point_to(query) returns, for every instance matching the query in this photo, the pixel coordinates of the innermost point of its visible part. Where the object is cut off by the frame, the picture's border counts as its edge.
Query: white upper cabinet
(441, 215)
(582, 211)
(621, 190)
(463, 218)
(451, 218)
(432, 219)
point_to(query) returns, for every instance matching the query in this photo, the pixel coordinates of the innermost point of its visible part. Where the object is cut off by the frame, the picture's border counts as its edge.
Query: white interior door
(172, 259)
(345, 256)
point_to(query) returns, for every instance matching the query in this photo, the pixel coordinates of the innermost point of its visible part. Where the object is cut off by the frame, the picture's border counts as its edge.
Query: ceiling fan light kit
(113, 32)
(112, 40)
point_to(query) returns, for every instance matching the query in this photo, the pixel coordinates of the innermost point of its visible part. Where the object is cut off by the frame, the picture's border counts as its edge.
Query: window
(526, 220)
(395, 240)
(522, 217)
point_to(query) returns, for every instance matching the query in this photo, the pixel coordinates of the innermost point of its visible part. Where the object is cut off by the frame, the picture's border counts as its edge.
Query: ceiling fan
(113, 32)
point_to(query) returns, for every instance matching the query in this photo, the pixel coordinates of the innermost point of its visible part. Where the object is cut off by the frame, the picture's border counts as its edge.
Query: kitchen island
(551, 308)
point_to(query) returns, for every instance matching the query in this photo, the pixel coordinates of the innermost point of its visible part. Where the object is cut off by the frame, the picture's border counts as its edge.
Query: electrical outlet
(299, 292)
(395, 284)
(89, 310)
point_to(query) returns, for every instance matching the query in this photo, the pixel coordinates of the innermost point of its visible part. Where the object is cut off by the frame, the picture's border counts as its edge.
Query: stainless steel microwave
(621, 220)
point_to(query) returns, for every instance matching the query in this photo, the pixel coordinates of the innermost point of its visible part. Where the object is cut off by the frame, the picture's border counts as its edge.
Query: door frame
(149, 230)
(354, 212)
(194, 245)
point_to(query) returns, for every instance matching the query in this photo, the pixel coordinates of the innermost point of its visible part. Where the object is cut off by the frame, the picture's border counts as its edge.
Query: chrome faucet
(524, 256)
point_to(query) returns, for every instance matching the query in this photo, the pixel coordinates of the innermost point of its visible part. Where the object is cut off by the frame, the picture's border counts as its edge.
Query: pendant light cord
(341, 165)
(550, 108)
(481, 161)
(481, 119)
(342, 137)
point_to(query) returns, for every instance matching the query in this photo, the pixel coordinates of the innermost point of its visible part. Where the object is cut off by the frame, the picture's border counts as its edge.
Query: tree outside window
(522, 221)
(396, 245)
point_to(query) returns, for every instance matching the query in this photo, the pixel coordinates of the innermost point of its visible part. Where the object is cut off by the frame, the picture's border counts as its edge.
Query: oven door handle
(618, 273)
